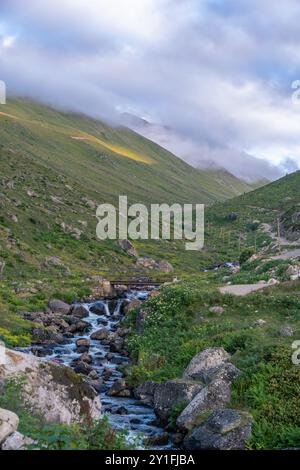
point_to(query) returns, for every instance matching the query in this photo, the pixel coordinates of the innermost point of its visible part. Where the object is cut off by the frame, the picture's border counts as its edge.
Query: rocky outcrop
(9, 423)
(223, 430)
(145, 392)
(54, 391)
(172, 393)
(205, 363)
(212, 397)
(150, 264)
(212, 367)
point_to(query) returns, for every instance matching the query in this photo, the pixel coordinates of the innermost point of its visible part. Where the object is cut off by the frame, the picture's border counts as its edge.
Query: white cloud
(8, 41)
(218, 73)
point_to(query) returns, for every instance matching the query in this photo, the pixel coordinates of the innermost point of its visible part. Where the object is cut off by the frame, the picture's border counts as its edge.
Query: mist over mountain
(205, 156)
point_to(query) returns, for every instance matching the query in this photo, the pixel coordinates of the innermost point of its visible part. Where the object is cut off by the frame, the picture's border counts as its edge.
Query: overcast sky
(218, 73)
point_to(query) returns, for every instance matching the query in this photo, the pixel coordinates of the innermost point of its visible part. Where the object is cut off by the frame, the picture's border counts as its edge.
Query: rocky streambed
(93, 345)
(191, 412)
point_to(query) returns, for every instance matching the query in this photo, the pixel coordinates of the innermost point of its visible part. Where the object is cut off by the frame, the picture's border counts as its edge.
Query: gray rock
(223, 430)
(79, 311)
(83, 343)
(226, 372)
(169, 394)
(160, 439)
(119, 389)
(79, 326)
(87, 358)
(9, 423)
(145, 392)
(127, 246)
(146, 263)
(205, 362)
(286, 331)
(117, 345)
(98, 308)
(17, 441)
(83, 368)
(165, 266)
(58, 306)
(214, 396)
(100, 334)
(217, 310)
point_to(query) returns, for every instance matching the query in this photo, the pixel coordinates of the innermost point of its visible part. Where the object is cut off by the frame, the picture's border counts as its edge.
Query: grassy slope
(37, 156)
(38, 152)
(182, 325)
(107, 161)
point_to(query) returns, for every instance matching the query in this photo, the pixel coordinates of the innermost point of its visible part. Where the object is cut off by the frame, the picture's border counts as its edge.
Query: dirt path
(242, 289)
(287, 255)
(267, 228)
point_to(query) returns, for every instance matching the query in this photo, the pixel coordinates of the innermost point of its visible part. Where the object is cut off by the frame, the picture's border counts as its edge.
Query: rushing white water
(126, 414)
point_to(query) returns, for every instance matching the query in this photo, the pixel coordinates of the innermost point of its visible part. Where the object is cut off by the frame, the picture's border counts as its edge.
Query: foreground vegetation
(180, 325)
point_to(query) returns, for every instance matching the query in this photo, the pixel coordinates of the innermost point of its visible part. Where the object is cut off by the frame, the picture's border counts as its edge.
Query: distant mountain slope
(279, 195)
(107, 160)
(236, 224)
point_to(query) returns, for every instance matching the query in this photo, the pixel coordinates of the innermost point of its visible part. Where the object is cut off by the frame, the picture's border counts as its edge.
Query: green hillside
(106, 160)
(55, 169)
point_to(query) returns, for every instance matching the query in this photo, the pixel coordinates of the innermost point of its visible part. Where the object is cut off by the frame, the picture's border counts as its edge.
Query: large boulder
(79, 311)
(99, 308)
(58, 306)
(100, 334)
(145, 392)
(119, 389)
(48, 335)
(9, 423)
(226, 372)
(54, 391)
(223, 430)
(205, 362)
(172, 393)
(212, 397)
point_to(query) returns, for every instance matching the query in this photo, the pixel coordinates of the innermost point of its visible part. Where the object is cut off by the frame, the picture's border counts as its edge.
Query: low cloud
(218, 74)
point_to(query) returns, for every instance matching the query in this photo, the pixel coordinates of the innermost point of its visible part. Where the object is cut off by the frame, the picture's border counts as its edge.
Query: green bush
(245, 255)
